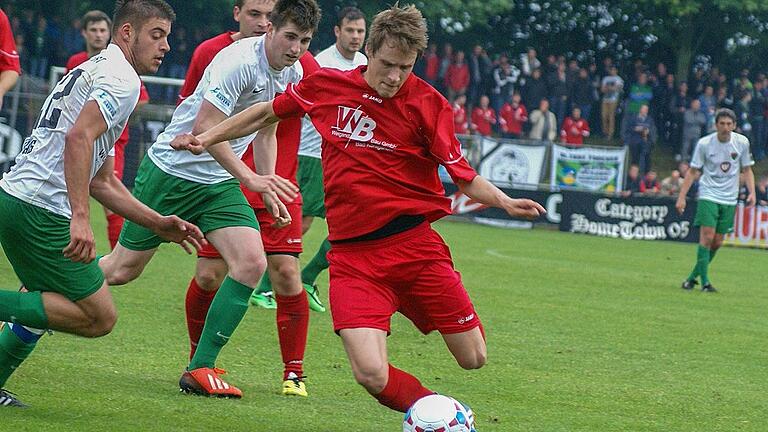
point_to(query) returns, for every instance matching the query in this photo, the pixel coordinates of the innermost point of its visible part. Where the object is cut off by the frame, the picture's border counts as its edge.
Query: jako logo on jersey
(354, 123)
(373, 98)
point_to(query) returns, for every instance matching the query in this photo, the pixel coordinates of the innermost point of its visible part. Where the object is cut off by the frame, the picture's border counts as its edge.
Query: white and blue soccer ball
(439, 413)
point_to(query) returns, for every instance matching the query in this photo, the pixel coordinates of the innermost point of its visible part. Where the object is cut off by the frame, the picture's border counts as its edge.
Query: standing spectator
(483, 117)
(663, 92)
(639, 133)
(574, 129)
(445, 62)
(72, 38)
(512, 117)
(460, 115)
(529, 62)
(632, 186)
(640, 93)
(535, 89)
(694, 124)
(611, 88)
(743, 121)
(558, 92)
(708, 99)
(698, 82)
(543, 122)
(650, 183)
(479, 68)
(457, 77)
(757, 107)
(724, 99)
(432, 65)
(670, 186)
(504, 78)
(582, 96)
(9, 58)
(677, 106)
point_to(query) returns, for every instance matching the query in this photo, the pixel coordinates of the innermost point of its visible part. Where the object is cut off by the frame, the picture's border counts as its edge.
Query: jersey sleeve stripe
(298, 96)
(7, 54)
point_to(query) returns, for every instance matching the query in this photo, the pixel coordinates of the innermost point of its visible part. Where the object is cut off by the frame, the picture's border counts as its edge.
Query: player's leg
(310, 178)
(468, 348)
(317, 264)
(306, 223)
(724, 226)
(209, 274)
(124, 265)
(367, 352)
(241, 248)
(706, 220)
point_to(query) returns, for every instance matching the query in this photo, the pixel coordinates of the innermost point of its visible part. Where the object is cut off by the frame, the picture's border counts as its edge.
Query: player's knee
(102, 324)
(121, 275)
(285, 278)
(249, 270)
(373, 377)
(209, 279)
(474, 359)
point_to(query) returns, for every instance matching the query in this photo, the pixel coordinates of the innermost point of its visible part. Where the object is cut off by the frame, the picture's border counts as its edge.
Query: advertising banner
(750, 227)
(504, 163)
(592, 169)
(631, 218)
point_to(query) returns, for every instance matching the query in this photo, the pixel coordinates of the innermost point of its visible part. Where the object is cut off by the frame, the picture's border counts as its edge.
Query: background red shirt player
(483, 117)
(385, 131)
(512, 117)
(96, 32)
(460, 115)
(574, 129)
(10, 69)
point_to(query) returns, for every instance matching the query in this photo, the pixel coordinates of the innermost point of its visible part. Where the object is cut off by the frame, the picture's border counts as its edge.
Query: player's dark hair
(725, 112)
(349, 13)
(304, 14)
(138, 12)
(95, 16)
(401, 27)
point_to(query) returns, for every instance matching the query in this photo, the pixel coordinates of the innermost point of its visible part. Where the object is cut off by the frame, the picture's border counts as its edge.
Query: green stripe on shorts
(209, 206)
(33, 239)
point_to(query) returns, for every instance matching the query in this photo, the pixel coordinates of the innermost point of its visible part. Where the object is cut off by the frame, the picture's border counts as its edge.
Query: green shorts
(33, 239)
(712, 214)
(310, 179)
(209, 206)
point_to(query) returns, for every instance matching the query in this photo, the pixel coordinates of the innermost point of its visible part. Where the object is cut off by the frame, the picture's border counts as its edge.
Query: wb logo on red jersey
(356, 123)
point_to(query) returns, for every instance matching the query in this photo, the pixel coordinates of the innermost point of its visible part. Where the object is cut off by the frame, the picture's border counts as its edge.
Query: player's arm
(264, 161)
(8, 79)
(485, 192)
(107, 189)
(244, 123)
(749, 178)
(690, 177)
(209, 117)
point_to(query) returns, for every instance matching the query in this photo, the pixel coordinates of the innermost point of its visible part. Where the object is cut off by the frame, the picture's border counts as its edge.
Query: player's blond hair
(403, 28)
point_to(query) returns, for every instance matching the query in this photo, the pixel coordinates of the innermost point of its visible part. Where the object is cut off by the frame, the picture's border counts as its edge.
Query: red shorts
(120, 144)
(411, 273)
(275, 240)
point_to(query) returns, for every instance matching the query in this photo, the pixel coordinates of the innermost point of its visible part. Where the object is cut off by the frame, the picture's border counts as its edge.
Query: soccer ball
(439, 413)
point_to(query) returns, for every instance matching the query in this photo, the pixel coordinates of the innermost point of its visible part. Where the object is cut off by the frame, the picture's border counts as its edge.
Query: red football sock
(114, 226)
(402, 390)
(197, 304)
(292, 326)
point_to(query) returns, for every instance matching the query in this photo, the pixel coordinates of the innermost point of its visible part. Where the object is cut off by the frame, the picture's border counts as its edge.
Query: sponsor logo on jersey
(104, 98)
(293, 241)
(725, 166)
(258, 90)
(354, 123)
(734, 155)
(216, 91)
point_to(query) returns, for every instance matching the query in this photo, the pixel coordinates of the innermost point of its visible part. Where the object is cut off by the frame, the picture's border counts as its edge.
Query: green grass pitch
(584, 334)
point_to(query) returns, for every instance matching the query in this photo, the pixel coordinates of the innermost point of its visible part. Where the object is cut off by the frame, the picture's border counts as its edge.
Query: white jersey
(330, 57)
(721, 164)
(237, 78)
(38, 176)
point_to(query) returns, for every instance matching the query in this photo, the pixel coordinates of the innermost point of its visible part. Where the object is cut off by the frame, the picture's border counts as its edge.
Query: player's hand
(680, 204)
(523, 208)
(751, 200)
(82, 246)
(187, 142)
(177, 230)
(273, 184)
(277, 209)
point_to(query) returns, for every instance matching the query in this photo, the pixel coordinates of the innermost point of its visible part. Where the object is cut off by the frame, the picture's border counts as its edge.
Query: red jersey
(513, 118)
(201, 58)
(457, 76)
(380, 156)
(288, 139)
(574, 131)
(460, 119)
(482, 119)
(433, 66)
(76, 60)
(9, 57)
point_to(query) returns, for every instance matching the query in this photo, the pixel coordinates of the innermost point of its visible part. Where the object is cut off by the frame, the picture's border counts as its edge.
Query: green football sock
(227, 310)
(24, 308)
(702, 263)
(318, 263)
(712, 253)
(265, 285)
(14, 350)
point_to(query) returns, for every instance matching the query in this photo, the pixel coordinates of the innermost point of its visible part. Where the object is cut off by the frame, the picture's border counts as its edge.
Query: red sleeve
(9, 57)
(443, 145)
(464, 76)
(586, 126)
(642, 186)
(525, 113)
(309, 64)
(564, 127)
(143, 94)
(294, 102)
